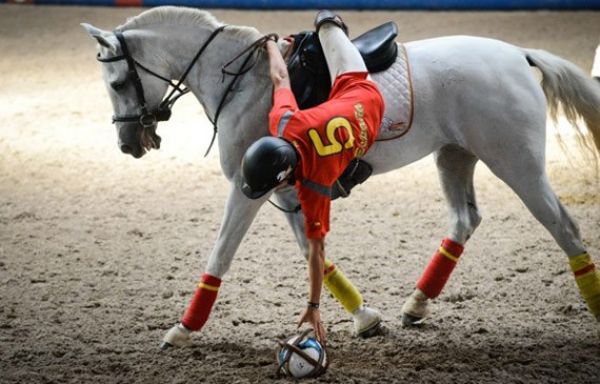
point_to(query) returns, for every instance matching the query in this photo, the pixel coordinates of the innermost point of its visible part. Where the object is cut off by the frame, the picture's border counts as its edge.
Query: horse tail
(567, 87)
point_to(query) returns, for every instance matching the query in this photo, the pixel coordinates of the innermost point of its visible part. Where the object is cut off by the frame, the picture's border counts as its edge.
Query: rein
(252, 48)
(296, 209)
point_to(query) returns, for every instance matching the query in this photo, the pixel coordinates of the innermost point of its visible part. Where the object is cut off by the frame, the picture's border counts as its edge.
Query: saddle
(308, 70)
(310, 81)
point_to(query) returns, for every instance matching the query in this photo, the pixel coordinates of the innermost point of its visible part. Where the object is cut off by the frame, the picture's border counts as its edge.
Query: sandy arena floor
(100, 253)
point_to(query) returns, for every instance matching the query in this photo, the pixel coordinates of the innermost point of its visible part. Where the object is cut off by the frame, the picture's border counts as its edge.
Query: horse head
(140, 59)
(135, 95)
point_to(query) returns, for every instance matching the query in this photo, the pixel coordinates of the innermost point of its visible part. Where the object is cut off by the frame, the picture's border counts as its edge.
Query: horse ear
(104, 38)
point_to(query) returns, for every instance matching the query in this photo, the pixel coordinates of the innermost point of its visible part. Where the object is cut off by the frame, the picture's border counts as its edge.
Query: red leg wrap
(204, 298)
(440, 267)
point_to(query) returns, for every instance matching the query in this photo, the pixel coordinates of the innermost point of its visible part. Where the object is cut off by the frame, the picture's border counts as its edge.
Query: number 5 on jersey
(335, 146)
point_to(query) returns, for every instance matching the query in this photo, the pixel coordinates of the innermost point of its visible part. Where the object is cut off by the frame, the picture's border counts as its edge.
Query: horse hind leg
(527, 177)
(455, 168)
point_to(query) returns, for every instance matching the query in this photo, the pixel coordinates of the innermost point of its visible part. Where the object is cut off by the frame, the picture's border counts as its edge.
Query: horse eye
(116, 85)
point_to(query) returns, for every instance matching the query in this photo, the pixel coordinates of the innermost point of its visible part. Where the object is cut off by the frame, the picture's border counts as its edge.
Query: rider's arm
(278, 69)
(316, 262)
(284, 101)
(316, 214)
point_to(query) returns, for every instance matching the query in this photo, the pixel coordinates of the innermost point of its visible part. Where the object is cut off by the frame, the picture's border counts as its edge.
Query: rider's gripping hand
(312, 316)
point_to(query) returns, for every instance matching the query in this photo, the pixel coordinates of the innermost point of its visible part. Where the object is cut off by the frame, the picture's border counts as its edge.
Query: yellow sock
(341, 288)
(588, 281)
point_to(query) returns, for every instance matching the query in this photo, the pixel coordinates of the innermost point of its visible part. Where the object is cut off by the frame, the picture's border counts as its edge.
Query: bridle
(148, 118)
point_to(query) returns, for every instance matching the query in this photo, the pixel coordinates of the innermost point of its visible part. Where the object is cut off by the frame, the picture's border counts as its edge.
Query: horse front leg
(455, 169)
(366, 320)
(239, 214)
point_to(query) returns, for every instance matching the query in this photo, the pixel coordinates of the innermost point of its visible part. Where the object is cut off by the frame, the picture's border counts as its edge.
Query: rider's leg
(341, 55)
(455, 169)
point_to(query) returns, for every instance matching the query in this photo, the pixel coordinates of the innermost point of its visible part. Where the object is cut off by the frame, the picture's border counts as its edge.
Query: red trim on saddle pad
(438, 271)
(197, 313)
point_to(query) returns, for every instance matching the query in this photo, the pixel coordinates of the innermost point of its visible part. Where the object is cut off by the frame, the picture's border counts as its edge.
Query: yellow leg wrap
(341, 288)
(588, 281)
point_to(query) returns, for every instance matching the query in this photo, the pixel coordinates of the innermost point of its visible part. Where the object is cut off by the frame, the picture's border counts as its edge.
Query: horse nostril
(125, 148)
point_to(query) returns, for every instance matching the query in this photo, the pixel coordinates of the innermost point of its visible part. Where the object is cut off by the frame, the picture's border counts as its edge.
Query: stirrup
(326, 16)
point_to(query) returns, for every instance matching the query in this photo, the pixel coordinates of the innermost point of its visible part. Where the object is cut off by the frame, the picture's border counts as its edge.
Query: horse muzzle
(136, 140)
(149, 139)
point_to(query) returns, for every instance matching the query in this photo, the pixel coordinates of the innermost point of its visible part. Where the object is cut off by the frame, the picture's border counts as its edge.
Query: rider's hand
(278, 68)
(313, 317)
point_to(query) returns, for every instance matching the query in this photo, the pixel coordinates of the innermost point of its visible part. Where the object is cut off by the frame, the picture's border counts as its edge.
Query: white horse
(475, 99)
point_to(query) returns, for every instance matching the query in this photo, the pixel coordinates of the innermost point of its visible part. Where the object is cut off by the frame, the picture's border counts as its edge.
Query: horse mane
(171, 15)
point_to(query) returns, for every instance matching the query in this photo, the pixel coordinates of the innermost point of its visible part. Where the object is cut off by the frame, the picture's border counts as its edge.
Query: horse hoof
(177, 336)
(366, 321)
(412, 321)
(164, 346)
(375, 330)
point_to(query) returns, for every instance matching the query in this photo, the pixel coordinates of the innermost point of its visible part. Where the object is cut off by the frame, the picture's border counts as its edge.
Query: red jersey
(327, 137)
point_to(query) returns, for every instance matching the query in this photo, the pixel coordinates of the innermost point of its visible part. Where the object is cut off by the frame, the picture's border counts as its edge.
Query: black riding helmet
(266, 163)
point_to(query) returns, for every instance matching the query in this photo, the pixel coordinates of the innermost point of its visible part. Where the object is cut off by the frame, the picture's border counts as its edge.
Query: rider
(311, 148)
